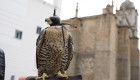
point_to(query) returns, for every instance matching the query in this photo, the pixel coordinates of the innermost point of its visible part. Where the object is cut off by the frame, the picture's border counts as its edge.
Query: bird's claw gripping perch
(62, 75)
(42, 77)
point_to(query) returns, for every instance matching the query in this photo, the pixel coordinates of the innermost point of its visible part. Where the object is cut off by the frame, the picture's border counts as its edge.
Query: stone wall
(134, 59)
(95, 42)
(123, 56)
(103, 50)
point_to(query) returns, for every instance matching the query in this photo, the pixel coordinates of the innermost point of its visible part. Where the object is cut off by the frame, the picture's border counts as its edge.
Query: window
(18, 34)
(12, 77)
(38, 30)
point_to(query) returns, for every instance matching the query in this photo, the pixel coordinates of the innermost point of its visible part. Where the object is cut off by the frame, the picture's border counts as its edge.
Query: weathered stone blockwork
(95, 42)
(134, 59)
(123, 55)
(104, 49)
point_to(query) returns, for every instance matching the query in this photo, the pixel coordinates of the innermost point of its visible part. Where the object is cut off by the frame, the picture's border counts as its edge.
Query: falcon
(54, 49)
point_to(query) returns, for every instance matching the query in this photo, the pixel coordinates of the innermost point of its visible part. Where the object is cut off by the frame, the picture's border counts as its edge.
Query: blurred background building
(106, 45)
(21, 21)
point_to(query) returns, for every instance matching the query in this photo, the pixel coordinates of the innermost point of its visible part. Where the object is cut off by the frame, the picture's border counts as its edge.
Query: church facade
(106, 45)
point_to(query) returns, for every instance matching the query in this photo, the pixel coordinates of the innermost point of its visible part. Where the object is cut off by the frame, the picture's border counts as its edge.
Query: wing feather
(39, 43)
(70, 52)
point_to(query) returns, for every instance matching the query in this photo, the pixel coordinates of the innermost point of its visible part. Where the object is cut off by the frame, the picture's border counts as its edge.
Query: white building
(19, 20)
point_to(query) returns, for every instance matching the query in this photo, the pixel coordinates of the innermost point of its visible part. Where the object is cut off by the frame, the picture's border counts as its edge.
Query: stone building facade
(106, 46)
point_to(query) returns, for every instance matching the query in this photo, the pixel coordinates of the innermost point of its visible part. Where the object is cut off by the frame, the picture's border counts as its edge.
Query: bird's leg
(62, 74)
(43, 76)
(59, 73)
(65, 75)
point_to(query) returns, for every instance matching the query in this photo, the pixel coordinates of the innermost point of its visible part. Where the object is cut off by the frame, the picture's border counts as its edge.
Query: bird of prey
(54, 49)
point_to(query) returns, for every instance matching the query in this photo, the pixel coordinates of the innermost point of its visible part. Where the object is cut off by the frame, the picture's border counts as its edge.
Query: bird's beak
(48, 20)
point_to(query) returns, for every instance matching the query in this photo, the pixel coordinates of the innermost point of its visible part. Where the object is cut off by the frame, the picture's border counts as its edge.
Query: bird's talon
(62, 75)
(37, 78)
(65, 76)
(43, 76)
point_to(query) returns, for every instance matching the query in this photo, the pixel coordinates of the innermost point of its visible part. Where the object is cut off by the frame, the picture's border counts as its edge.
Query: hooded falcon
(54, 49)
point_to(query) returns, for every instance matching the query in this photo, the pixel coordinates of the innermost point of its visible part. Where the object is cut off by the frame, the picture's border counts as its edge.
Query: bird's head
(53, 21)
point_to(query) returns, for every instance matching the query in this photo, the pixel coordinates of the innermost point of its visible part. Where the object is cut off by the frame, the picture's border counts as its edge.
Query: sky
(91, 8)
